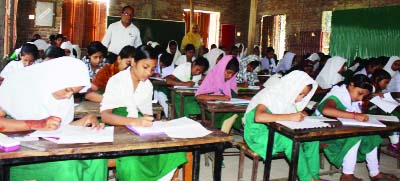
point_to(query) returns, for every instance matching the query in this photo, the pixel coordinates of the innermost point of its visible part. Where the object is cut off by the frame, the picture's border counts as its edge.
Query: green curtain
(365, 33)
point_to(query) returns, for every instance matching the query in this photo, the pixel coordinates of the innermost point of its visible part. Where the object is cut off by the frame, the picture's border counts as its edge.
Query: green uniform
(337, 149)
(221, 117)
(190, 103)
(256, 136)
(146, 167)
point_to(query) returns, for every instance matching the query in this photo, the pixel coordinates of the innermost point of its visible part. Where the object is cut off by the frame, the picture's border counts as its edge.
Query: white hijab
(177, 53)
(41, 44)
(286, 63)
(68, 45)
(213, 55)
(329, 75)
(388, 66)
(28, 94)
(280, 98)
(243, 53)
(273, 80)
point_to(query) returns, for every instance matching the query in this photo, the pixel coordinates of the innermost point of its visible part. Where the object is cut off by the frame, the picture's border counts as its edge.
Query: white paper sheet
(157, 78)
(186, 87)
(68, 134)
(311, 104)
(384, 118)
(318, 118)
(371, 122)
(306, 123)
(387, 103)
(234, 101)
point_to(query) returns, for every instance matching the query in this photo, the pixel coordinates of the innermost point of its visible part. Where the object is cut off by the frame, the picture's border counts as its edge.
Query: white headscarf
(243, 53)
(28, 94)
(78, 51)
(68, 45)
(329, 75)
(177, 53)
(286, 63)
(273, 80)
(213, 55)
(280, 98)
(314, 57)
(41, 44)
(388, 66)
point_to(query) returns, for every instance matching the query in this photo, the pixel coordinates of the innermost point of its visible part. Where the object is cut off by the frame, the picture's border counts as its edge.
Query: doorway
(273, 33)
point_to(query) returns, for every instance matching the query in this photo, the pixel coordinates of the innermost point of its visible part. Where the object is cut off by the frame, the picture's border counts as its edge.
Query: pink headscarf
(215, 80)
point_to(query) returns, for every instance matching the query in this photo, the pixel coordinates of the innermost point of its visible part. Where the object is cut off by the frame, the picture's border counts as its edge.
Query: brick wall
(306, 15)
(26, 27)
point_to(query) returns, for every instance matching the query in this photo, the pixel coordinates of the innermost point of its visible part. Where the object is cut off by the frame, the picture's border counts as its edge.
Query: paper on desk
(234, 101)
(372, 122)
(69, 134)
(157, 78)
(387, 103)
(305, 124)
(254, 87)
(384, 117)
(186, 87)
(311, 104)
(319, 118)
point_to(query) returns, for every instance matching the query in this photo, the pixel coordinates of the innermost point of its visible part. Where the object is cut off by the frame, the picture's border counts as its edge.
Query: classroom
(179, 90)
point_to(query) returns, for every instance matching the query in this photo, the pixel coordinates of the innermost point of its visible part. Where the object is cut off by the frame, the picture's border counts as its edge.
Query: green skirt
(148, 167)
(82, 170)
(191, 106)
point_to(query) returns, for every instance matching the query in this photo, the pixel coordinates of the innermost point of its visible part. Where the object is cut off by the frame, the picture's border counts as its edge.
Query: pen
(221, 91)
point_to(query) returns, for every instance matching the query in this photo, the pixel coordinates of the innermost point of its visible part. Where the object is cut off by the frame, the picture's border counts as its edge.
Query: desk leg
(172, 111)
(218, 162)
(212, 119)
(4, 172)
(203, 113)
(182, 105)
(268, 157)
(196, 165)
(295, 160)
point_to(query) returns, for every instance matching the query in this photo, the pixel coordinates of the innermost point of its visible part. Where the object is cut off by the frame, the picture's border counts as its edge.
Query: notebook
(307, 123)
(8, 144)
(372, 122)
(176, 128)
(387, 103)
(69, 134)
(236, 101)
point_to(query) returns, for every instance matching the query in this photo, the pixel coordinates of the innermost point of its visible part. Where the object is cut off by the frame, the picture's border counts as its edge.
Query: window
(273, 33)
(326, 30)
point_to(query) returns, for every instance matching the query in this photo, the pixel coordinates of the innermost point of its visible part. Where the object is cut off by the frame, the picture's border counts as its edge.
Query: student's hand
(380, 94)
(156, 75)
(361, 117)
(297, 116)
(189, 83)
(49, 123)
(89, 120)
(145, 121)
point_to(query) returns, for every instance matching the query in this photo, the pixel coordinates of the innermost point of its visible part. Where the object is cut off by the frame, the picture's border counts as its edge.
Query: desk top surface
(223, 106)
(124, 140)
(86, 107)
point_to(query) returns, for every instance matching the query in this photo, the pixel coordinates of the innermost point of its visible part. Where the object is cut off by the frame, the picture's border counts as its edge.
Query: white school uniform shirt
(363, 72)
(11, 68)
(117, 37)
(184, 71)
(182, 59)
(121, 93)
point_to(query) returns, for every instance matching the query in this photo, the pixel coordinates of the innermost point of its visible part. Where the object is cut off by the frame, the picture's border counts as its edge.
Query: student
(67, 47)
(95, 57)
(59, 39)
(368, 67)
(242, 50)
(214, 56)
(163, 69)
(380, 80)
(172, 49)
(188, 74)
(128, 95)
(235, 52)
(188, 56)
(220, 84)
(27, 56)
(286, 63)
(42, 47)
(343, 101)
(331, 74)
(248, 76)
(40, 98)
(100, 80)
(282, 102)
(53, 52)
(269, 61)
(393, 67)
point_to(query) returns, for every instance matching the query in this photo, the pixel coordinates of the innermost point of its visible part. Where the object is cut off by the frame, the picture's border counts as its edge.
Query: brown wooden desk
(86, 107)
(213, 108)
(298, 136)
(125, 143)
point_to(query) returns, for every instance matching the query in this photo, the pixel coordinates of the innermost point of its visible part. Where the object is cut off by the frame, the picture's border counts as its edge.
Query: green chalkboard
(161, 31)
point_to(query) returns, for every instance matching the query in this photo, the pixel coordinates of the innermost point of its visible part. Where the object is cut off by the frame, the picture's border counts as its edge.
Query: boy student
(188, 74)
(269, 61)
(248, 76)
(188, 56)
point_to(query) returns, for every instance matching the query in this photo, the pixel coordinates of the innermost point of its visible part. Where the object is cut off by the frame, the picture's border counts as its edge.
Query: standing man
(121, 33)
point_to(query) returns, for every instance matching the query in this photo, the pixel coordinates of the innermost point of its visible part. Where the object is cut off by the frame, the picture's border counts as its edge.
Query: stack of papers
(186, 87)
(176, 128)
(387, 103)
(69, 134)
(236, 101)
(372, 122)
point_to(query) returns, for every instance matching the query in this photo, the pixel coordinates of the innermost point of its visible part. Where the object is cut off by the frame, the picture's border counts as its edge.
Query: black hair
(380, 75)
(203, 62)
(365, 63)
(59, 36)
(173, 43)
(127, 52)
(214, 45)
(159, 50)
(233, 65)
(270, 49)
(254, 64)
(31, 49)
(53, 52)
(189, 47)
(36, 37)
(127, 7)
(52, 37)
(145, 52)
(166, 59)
(95, 47)
(234, 48)
(360, 81)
